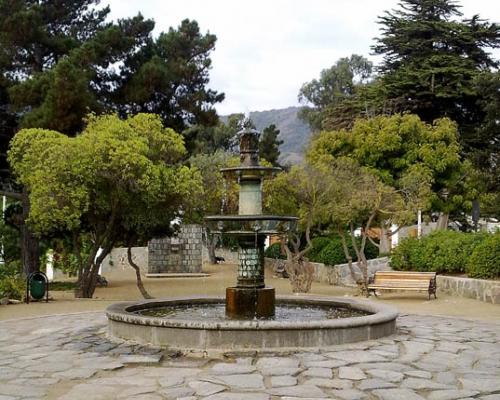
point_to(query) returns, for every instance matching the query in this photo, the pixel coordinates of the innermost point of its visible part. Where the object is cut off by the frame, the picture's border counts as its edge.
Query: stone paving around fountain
(69, 357)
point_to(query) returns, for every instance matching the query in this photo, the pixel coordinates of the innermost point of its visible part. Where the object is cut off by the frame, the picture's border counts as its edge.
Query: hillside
(293, 131)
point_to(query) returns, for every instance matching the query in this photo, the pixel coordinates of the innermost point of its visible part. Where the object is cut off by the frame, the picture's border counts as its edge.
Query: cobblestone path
(69, 357)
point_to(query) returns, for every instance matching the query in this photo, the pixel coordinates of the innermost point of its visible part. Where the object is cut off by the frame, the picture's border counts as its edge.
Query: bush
(484, 262)
(318, 243)
(12, 287)
(441, 252)
(274, 251)
(333, 252)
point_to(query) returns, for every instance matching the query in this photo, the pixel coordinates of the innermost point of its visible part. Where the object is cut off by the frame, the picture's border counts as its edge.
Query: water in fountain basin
(284, 312)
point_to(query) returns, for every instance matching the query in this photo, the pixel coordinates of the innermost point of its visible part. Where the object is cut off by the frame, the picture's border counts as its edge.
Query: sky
(266, 49)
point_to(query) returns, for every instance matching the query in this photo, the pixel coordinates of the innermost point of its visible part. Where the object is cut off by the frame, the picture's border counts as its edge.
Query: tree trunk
(30, 249)
(211, 243)
(300, 271)
(140, 285)
(87, 284)
(348, 257)
(442, 222)
(361, 263)
(385, 240)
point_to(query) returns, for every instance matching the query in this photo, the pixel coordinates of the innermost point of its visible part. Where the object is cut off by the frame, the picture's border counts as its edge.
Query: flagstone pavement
(69, 357)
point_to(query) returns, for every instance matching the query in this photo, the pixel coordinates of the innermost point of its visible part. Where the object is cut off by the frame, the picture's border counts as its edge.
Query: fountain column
(250, 298)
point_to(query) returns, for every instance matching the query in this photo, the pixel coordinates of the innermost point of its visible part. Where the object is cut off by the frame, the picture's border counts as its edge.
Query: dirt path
(122, 287)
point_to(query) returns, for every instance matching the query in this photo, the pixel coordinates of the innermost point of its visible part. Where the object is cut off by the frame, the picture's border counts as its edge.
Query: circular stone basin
(201, 332)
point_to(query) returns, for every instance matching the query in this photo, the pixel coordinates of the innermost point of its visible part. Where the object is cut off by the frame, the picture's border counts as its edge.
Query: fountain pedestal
(250, 298)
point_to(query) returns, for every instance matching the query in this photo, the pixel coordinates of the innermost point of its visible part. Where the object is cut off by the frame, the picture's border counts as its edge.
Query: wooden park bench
(403, 280)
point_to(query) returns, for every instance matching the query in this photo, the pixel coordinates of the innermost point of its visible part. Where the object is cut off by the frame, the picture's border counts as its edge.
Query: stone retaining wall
(479, 289)
(117, 260)
(340, 275)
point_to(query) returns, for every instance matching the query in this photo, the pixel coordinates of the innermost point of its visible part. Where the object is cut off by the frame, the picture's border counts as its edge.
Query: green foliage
(269, 145)
(336, 86)
(117, 177)
(318, 244)
(421, 160)
(484, 260)
(168, 76)
(12, 282)
(332, 252)
(274, 251)
(432, 60)
(12, 287)
(442, 252)
(217, 195)
(11, 243)
(80, 62)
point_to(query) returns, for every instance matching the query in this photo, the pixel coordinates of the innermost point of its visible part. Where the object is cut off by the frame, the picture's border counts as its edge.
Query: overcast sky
(266, 51)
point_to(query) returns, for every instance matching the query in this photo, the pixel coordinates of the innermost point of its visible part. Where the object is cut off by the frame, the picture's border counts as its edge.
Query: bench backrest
(403, 276)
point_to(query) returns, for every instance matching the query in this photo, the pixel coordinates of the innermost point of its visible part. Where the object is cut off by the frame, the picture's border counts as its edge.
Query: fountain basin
(250, 224)
(240, 335)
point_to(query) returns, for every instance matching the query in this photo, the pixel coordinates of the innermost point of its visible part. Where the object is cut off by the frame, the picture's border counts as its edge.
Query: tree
(62, 59)
(168, 76)
(341, 197)
(303, 191)
(218, 195)
(404, 152)
(431, 63)
(210, 139)
(34, 37)
(335, 90)
(114, 177)
(269, 145)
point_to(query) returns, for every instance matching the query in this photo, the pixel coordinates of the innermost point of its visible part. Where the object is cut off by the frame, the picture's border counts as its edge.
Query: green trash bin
(37, 285)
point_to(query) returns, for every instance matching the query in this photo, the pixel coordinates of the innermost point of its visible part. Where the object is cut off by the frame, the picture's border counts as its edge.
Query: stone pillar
(178, 254)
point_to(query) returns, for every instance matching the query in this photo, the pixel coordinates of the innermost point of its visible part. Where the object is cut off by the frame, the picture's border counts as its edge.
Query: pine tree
(431, 60)
(269, 144)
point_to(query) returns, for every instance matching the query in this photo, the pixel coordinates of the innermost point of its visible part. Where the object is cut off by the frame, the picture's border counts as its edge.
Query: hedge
(329, 250)
(484, 262)
(447, 252)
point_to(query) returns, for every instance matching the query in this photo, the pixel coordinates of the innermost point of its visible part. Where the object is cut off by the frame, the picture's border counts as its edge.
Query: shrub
(318, 243)
(333, 252)
(12, 287)
(441, 252)
(274, 251)
(484, 262)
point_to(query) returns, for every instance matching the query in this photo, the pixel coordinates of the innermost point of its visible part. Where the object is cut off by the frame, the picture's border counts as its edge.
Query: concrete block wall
(178, 254)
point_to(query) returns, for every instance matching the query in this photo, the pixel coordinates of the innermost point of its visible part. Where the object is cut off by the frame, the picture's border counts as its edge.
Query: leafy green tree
(405, 153)
(35, 37)
(431, 62)
(116, 176)
(269, 144)
(303, 191)
(169, 76)
(338, 195)
(335, 91)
